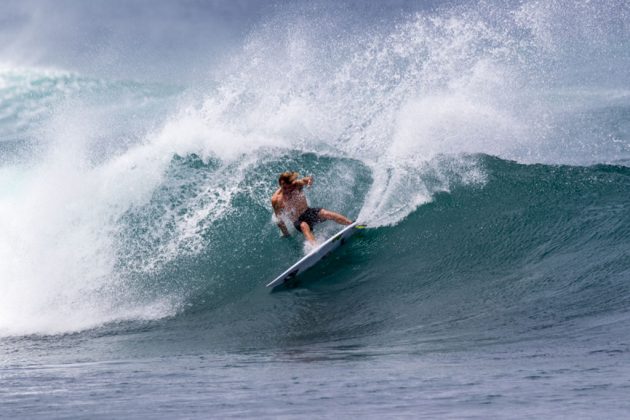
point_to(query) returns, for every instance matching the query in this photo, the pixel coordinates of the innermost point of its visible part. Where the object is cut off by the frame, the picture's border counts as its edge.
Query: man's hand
(283, 229)
(308, 180)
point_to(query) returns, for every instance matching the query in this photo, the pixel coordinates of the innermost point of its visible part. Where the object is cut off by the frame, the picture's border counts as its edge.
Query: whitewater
(486, 144)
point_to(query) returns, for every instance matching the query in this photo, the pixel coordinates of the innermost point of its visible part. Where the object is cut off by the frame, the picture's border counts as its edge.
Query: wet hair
(287, 177)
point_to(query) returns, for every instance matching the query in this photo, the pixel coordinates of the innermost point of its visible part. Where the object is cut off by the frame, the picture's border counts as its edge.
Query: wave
(138, 195)
(537, 251)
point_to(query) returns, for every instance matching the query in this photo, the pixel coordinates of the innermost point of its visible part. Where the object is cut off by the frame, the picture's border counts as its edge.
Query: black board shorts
(310, 216)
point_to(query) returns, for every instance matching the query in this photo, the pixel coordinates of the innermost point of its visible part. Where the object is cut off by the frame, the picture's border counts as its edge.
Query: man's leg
(306, 230)
(331, 215)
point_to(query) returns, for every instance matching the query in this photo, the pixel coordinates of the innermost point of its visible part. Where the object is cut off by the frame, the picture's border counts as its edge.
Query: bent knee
(305, 227)
(324, 214)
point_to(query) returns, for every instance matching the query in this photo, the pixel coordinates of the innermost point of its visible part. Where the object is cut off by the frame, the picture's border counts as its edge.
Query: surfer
(289, 201)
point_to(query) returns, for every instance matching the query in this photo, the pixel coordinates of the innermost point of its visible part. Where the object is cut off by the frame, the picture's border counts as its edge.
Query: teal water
(479, 141)
(509, 298)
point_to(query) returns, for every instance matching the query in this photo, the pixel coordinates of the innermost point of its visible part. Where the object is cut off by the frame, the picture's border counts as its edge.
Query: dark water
(480, 142)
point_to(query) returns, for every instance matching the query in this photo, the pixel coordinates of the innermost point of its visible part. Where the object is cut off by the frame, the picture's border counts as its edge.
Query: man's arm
(277, 209)
(307, 180)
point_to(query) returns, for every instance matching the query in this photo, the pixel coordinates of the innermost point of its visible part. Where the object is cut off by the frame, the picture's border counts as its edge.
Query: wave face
(536, 251)
(480, 142)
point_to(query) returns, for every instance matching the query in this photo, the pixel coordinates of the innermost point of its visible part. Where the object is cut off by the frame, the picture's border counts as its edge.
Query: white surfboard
(317, 254)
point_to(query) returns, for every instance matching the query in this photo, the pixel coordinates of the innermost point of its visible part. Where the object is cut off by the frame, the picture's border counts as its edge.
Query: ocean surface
(485, 143)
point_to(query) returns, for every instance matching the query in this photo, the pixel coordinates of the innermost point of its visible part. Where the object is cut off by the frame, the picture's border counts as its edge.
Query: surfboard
(317, 254)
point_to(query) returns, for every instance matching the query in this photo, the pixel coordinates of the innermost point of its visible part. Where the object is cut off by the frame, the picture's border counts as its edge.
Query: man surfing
(289, 201)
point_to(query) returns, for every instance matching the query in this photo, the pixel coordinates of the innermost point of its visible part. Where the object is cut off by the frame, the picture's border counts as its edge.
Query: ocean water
(486, 144)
